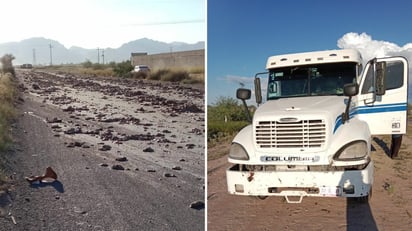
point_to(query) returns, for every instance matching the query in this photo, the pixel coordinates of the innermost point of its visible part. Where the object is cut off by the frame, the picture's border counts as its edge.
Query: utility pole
(98, 55)
(51, 54)
(103, 55)
(34, 57)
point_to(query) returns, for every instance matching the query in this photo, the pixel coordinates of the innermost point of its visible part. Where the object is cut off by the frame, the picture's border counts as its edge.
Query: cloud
(370, 48)
(241, 80)
(248, 82)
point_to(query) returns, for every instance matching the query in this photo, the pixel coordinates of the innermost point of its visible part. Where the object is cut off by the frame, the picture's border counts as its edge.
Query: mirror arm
(249, 117)
(345, 115)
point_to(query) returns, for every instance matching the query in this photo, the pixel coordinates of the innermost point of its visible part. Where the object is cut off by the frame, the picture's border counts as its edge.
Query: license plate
(329, 191)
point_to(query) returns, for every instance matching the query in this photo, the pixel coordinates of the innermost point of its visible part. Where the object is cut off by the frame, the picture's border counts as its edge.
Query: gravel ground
(390, 207)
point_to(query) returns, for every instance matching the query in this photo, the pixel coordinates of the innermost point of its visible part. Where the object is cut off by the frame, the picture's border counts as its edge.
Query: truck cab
(312, 135)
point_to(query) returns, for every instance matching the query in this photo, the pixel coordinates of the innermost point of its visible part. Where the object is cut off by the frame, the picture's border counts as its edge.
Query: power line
(34, 57)
(51, 54)
(103, 55)
(98, 55)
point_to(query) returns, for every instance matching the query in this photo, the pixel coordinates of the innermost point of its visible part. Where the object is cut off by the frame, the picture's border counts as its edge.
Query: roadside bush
(7, 64)
(169, 75)
(219, 129)
(7, 111)
(197, 70)
(123, 69)
(175, 76)
(157, 75)
(87, 64)
(96, 72)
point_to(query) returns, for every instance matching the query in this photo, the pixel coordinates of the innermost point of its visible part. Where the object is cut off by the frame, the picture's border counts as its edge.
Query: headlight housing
(355, 150)
(237, 152)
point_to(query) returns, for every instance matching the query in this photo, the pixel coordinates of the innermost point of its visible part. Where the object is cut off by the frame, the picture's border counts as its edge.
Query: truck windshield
(310, 80)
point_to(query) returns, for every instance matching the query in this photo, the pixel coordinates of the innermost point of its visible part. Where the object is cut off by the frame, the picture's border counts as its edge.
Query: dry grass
(106, 72)
(80, 70)
(8, 94)
(178, 75)
(7, 111)
(193, 75)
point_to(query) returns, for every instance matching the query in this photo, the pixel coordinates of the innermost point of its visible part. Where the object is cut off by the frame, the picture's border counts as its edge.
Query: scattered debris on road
(49, 176)
(198, 205)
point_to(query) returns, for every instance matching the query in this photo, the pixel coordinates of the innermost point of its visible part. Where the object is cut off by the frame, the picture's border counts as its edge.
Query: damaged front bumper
(301, 183)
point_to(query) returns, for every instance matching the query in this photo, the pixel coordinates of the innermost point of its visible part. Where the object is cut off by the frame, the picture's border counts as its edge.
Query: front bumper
(348, 183)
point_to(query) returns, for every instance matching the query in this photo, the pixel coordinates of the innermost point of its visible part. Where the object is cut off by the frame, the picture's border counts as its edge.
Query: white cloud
(370, 48)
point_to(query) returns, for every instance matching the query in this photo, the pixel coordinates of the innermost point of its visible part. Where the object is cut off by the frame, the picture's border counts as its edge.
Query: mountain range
(37, 51)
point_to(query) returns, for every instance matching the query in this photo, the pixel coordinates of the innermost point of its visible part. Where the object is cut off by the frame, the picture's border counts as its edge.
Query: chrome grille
(296, 134)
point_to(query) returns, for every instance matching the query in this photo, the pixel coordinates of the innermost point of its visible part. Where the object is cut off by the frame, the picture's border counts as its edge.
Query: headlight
(238, 152)
(353, 151)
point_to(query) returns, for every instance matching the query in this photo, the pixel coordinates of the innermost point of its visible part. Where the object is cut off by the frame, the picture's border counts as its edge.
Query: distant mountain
(38, 50)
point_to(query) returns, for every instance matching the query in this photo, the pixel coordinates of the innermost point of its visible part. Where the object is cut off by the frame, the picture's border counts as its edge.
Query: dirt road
(129, 155)
(390, 207)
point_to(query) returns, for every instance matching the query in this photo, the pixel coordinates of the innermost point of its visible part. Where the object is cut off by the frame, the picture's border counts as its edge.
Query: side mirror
(243, 94)
(380, 78)
(258, 91)
(351, 89)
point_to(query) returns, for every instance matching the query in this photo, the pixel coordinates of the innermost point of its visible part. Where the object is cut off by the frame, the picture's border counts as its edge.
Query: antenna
(103, 55)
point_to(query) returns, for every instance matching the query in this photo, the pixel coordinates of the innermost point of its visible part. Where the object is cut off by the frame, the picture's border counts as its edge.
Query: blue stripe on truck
(372, 109)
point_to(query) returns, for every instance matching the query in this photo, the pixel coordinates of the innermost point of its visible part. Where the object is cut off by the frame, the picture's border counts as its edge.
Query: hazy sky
(103, 23)
(243, 35)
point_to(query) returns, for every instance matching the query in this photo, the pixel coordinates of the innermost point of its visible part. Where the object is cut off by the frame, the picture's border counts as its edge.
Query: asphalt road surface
(129, 155)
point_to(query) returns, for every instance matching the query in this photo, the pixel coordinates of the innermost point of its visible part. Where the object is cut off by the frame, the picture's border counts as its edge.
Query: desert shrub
(7, 64)
(123, 69)
(96, 72)
(157, 75)
(87, 64)
(219, 129)
(175, 76)
(197, 70)
(225, 118)
(7, 111)
(8, 94)
(169, 75)
(98, 66)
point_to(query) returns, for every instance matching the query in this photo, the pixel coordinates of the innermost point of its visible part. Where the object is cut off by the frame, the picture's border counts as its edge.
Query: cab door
(385, 112)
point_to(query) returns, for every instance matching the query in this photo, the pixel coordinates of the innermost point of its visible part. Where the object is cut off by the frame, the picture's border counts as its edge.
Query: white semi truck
(312, 135)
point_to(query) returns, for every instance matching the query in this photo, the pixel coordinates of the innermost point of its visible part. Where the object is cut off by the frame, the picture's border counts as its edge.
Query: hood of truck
(331, 105)
(297, 129)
